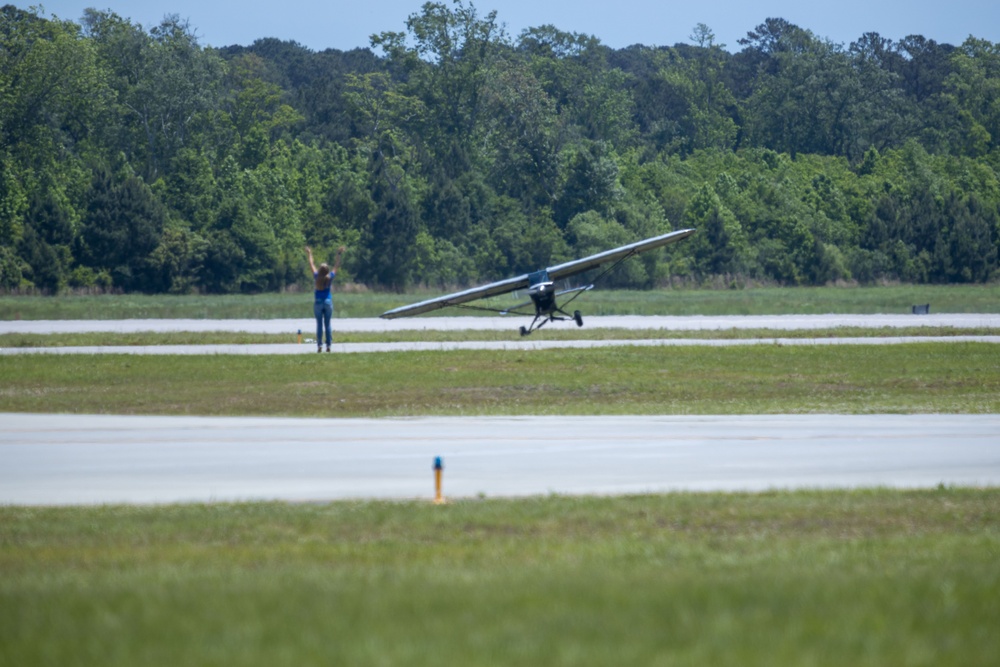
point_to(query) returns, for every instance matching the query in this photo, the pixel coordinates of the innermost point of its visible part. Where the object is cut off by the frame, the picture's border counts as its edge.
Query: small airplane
(541, 285)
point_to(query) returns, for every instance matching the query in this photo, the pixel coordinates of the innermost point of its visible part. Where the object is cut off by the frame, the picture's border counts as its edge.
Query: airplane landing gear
(577, 317)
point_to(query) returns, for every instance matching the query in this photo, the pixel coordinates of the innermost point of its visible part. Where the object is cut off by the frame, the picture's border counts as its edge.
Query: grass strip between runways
(907, 378)
(105, 339)
(879, 577)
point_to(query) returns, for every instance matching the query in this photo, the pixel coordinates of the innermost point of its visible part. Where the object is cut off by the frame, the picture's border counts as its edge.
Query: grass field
(807, 578)
(756, 301)
(911, 378)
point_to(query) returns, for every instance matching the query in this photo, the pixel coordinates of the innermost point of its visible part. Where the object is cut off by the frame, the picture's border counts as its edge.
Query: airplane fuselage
(543, 295)
(542, 291)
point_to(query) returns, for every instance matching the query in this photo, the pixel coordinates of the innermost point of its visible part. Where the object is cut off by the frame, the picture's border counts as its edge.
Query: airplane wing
(554, 273)
(580, 265)
(493, 289)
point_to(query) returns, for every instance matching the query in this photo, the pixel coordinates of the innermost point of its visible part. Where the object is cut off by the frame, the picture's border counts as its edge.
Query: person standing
(323, 301)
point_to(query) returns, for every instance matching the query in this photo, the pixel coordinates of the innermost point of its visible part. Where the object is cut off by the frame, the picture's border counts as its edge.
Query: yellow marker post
(300, 336)
(438, 468)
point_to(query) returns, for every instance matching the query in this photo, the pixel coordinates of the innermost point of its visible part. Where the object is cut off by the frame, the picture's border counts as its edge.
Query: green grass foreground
(875, 577)
(775, 379)
(751, 301)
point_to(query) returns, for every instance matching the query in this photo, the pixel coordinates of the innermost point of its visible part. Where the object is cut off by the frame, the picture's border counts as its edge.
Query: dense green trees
(452, 152)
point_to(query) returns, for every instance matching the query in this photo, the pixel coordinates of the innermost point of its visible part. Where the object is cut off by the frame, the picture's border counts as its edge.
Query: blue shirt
(324, 294)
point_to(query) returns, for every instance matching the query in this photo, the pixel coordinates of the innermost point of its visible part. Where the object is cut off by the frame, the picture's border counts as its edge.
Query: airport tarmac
(527, 344)
(635, 322)
(88, 459)
(98, 459)
(776, 323)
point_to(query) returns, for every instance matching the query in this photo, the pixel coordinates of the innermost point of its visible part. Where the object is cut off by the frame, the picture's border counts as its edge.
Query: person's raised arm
(336, 260)
(312, 264)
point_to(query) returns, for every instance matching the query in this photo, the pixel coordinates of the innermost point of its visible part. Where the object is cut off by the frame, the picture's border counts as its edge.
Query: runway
(521, 345)
(70, 459)
(634, 322)
(776, 323)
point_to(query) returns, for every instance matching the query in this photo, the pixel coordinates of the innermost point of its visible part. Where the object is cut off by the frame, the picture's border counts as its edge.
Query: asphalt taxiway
(292, 328)
(88, 459)
(634, 322)
(98, 459)
(444, 346)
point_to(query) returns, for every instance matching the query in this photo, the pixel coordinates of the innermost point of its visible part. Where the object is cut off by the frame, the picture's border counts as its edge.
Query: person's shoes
(327, 348)
(319, 349)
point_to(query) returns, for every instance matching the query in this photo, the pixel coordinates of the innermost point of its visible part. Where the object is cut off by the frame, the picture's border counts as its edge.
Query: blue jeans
(323, 311)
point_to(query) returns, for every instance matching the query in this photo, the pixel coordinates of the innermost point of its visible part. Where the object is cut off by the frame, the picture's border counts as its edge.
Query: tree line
(451, 152)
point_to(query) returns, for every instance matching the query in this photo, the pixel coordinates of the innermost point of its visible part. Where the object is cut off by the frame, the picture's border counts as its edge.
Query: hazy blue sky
(346, 24)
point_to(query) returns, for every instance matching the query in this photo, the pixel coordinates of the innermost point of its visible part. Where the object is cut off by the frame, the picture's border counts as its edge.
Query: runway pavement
(526, 344)
(668, 323)
(776, 323)
(69, 459)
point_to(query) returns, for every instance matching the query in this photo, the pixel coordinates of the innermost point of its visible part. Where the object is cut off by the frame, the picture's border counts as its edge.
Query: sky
(348, 24)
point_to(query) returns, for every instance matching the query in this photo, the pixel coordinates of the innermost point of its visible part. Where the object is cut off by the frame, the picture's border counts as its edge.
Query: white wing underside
(556, 272)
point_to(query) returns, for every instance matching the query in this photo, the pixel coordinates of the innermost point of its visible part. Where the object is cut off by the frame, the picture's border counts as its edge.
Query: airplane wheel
(524, 332)
(578, 317)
